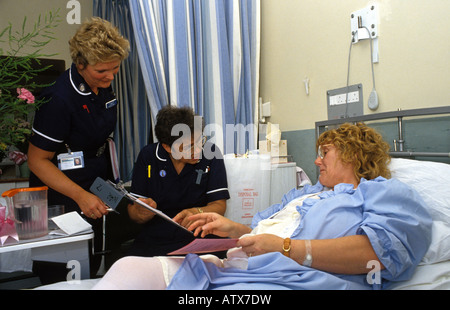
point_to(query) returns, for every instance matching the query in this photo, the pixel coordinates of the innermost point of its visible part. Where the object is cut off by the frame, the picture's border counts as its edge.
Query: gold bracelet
(287, 247)
(199, 210)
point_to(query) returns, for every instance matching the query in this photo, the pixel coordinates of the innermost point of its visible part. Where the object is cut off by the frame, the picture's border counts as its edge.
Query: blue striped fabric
(203, 54)
(133, 129)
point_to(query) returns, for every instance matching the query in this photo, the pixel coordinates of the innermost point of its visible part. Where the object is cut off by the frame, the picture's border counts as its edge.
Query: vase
(24, 170)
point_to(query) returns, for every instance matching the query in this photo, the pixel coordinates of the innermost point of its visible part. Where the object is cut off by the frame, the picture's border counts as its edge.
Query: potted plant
(18, 70)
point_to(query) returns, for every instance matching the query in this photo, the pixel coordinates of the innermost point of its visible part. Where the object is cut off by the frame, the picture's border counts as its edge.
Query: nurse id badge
(111, 103)
(70, 161)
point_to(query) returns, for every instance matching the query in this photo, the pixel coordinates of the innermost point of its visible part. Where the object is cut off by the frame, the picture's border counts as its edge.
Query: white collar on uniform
(81, 88)
(157, 155)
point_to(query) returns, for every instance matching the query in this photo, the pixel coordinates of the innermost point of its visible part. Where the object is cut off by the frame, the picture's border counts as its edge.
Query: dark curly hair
(361, 146)
(168, 117)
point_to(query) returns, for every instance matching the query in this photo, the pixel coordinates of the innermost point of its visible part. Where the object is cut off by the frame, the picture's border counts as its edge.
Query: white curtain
(203, 54)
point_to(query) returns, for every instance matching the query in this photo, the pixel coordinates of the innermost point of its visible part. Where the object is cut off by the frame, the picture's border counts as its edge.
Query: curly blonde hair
(361, 146)
(97, 40)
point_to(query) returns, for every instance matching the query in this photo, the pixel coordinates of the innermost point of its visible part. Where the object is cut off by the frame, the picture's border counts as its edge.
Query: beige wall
(14, 11)
(310, 38)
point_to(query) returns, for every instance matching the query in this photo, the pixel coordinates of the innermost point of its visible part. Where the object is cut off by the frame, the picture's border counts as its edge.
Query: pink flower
(18, 157)
(25, 94)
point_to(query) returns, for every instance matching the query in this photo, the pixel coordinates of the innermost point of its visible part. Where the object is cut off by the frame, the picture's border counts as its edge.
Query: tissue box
(277, 151)
(264, 146)
(273, 144)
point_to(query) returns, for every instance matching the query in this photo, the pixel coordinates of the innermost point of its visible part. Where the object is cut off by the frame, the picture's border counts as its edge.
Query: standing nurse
(68, 148)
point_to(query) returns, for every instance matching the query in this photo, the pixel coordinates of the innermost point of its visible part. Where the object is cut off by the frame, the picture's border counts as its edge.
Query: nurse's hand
(91, 206)
(182, 217)
(139, 214)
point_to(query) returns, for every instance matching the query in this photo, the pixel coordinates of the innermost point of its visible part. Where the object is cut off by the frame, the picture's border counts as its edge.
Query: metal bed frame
(400, 114)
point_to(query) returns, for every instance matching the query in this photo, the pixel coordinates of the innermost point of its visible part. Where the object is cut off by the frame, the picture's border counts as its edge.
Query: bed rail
(400, 114)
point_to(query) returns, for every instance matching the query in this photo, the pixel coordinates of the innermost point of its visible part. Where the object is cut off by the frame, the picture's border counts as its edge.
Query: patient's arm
(345, 255)
(216, 224)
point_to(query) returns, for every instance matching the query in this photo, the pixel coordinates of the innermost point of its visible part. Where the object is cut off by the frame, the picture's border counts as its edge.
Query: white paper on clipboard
(107, 190)
(156, 211)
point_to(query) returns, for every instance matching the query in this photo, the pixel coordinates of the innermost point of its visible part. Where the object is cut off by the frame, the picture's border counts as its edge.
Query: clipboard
(111, 194)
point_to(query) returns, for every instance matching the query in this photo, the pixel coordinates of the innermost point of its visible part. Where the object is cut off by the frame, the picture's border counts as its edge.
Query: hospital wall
(311, 39)
(14, 11)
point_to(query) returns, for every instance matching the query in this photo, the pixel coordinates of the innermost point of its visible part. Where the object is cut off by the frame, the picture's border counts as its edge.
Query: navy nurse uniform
(154, 176)
(76, 118)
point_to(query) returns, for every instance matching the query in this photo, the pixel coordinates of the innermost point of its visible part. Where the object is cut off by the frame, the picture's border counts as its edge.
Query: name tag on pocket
(111, 103)
(70, 161)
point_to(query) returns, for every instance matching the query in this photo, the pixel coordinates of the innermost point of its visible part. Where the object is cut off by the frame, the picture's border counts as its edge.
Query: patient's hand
(216, 224)
(260, 244)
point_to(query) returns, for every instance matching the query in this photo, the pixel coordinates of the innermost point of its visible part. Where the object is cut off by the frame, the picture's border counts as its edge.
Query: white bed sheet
(427, 277)
(431, 180)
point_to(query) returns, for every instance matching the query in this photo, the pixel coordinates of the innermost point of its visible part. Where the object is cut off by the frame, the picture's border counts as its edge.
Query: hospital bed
(431, 179)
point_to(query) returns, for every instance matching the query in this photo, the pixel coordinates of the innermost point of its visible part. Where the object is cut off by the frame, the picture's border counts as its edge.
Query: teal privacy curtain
(204, 54)
(133, 130)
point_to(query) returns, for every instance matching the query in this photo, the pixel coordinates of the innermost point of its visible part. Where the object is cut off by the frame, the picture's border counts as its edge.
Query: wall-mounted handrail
(383, 115)
(320, 127)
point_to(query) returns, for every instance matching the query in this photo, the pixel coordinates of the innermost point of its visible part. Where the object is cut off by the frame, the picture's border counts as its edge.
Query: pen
(109, 210)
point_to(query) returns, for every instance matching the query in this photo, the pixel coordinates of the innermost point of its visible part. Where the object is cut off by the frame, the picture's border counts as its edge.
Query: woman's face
(187, 150)
(332, 170)
(99, 75)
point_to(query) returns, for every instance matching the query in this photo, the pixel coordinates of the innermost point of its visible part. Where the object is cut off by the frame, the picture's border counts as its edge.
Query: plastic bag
(249, 186)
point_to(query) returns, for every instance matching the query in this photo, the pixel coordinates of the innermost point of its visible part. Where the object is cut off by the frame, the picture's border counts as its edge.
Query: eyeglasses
(320, 151)
(199, 145)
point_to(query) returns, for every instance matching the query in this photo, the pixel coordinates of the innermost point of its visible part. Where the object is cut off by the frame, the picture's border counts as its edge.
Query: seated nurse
(178, 176)
(354, 229)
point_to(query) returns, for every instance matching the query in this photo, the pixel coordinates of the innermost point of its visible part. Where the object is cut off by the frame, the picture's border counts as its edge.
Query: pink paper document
(206, 246)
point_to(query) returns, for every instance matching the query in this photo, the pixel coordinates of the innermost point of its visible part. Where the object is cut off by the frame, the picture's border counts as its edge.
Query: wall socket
(345, 102)
(342, 99)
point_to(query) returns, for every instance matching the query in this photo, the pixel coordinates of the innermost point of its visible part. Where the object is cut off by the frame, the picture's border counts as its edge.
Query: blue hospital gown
(389, 212)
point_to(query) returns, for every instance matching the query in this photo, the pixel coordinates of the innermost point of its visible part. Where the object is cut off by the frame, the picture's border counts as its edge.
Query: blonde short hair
(97, 40)
(361, 146)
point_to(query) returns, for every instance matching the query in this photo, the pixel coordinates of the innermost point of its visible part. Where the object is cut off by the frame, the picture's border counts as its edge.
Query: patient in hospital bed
(355, 229)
